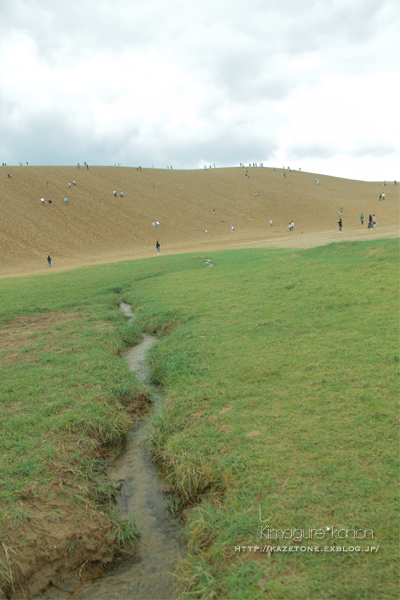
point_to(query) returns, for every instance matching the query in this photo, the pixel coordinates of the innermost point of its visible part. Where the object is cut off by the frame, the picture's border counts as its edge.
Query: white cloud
(145, 81)
(344, 118)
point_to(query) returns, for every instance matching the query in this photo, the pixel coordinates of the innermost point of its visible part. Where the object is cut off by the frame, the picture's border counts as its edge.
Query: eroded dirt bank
(53, 538)
(81, 546)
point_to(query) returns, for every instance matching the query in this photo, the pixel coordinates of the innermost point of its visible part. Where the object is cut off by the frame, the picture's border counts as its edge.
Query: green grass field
(281, 375)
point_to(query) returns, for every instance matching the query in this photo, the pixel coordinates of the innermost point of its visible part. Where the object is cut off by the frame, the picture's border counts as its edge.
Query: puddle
(147, 575)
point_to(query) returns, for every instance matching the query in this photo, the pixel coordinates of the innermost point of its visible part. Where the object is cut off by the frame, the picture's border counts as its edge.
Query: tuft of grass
(174, 503)
(123, 534)
(6, 570)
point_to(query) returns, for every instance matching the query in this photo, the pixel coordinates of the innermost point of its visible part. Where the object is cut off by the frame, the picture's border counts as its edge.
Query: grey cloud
(221, 149)
(52, 138)
(372, 149)
(247, 78)
(116, 25)
(77, 30)
(313, 150)
(244, 50)
(275, 88)
(331, 24)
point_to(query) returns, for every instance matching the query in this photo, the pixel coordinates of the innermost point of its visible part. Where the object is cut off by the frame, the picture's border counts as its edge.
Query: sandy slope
(96, 227)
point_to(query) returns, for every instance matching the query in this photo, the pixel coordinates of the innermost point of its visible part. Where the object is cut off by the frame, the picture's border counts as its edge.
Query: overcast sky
(300, 83)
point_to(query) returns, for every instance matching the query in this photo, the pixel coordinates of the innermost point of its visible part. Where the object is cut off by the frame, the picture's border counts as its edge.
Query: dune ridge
(96, 227)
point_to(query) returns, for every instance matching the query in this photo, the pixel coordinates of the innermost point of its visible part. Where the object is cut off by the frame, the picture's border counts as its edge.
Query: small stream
(147, 575)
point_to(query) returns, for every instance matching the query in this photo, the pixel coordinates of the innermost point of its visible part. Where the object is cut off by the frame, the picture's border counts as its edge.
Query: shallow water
(148, 575)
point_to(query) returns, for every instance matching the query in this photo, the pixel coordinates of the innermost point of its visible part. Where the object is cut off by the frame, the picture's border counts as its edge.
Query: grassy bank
(283, 399)
(280, 369)
(66, 398)
(67, 402)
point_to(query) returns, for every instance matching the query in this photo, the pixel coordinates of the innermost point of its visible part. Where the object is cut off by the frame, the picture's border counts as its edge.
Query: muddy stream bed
(148, 574)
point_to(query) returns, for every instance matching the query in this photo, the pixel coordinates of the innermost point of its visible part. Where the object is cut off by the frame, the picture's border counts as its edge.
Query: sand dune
(96, 227)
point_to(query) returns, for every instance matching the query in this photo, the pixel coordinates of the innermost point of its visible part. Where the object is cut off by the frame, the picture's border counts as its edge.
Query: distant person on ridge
(158, 247)
(340, 223)
(362, 219)
(49, 259)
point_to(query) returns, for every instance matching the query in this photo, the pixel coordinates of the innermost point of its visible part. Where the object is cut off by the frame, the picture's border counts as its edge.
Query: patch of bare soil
(252, 434)
(53, 537)
(137, 406)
